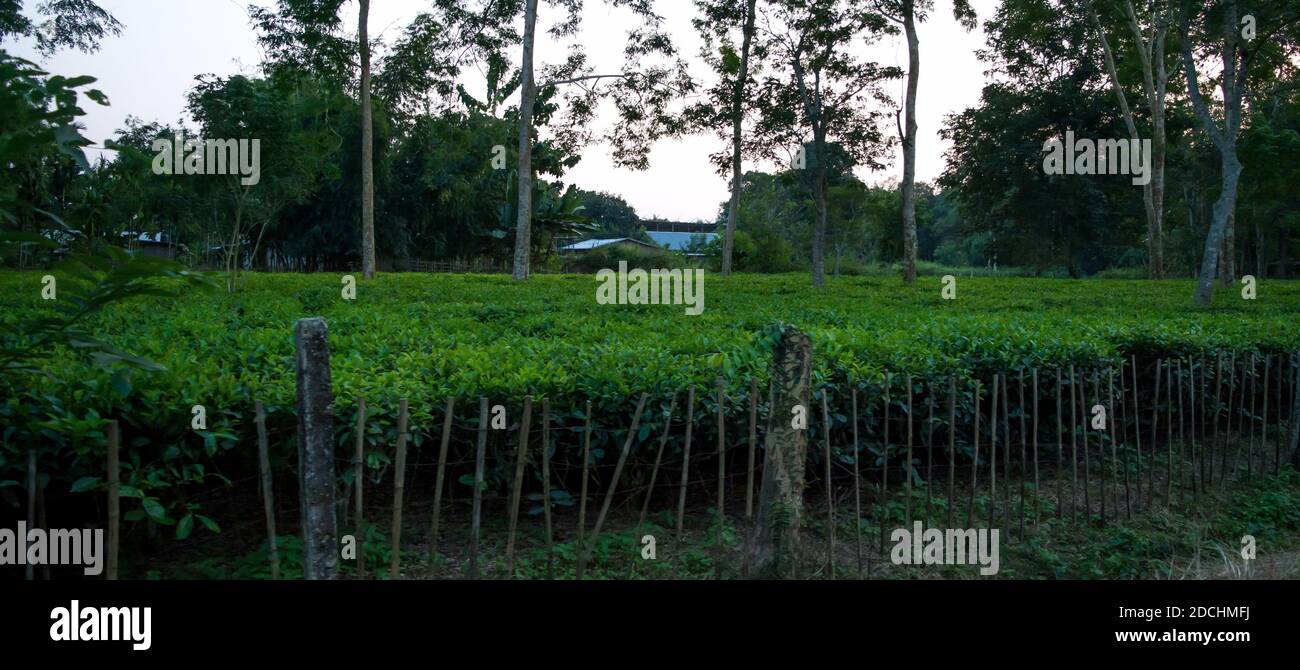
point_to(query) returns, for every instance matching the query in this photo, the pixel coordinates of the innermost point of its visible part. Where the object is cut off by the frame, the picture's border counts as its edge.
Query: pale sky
(148, 69)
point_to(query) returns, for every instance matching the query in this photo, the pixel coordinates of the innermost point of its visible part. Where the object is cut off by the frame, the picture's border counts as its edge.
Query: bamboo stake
(993, 453)
(1277, 449)
(753, 442)
(1218, 408)
(434, 537)
(1198, 461)
(830, 488)
(613, 483)
(686, 466)
(1241, 420)
(1263, 443)
(480, 456)
(399, 487)
(1114, 447)
(1119, 460)
(359, 478)
(1006, 451)
(1249, 450)
(857, 483)
(1123, 429)
(907, 515)
(517, 490)
(546, 487)
(1155, 433)
(114, 501)
(654, 476)
(974, 461)
(1206, 445)
(29, 573)
(582, 504)
(268, 498)
(1024, 436)
(929, 452)
(1074, 448)
(884, 474)
(1083, 438)
(1182, 436)
(1245, 413)
(1169, 428)
(1101, 446)
(722, 474)
(952, 445)
(1230, 439)
(1060, 449)
(1038, 517)
(1137, 431)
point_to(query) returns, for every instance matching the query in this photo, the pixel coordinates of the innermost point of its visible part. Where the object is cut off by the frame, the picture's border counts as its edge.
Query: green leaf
(121, 381)
(184, 528)
(155, 510)
(85, 484)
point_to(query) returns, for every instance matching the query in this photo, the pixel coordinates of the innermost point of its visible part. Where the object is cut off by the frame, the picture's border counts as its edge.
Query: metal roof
(587, 245)
(678, 241)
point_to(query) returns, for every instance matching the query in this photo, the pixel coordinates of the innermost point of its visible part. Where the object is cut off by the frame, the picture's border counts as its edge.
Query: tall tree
(367, 149)
(70, 24)
(727, 104)
(823, 90)
(524, 177)
(641, 93)
(1149, 43)
(1238, 44)
(909, 13)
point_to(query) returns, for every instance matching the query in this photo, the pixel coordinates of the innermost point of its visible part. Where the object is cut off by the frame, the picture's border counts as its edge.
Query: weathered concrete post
(316, 450)
(775, 549)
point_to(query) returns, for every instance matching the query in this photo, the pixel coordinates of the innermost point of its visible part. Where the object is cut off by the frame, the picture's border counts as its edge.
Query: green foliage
(37, 127)
(427, 337)
(609, 257)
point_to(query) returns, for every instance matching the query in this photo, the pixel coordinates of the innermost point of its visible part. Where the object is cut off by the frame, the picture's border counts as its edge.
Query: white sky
(148, 69)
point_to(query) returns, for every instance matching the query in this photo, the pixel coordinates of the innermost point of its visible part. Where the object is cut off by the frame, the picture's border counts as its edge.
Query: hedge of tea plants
(428, 337)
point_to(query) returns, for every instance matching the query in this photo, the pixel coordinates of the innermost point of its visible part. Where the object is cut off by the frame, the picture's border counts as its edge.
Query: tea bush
(427, 337)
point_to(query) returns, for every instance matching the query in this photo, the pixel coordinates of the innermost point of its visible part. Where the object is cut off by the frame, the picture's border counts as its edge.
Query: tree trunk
(1261, 267)
(774, 552)
(737, 128)
(1155, 84)
(527, 96)
(819, 226)
(1225, 138)
(1283, 257)
(909, 145)
(1228, 261)
(367, 151)
(1215, 239)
